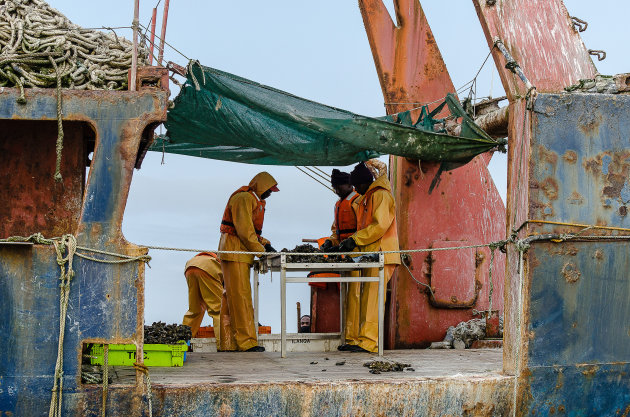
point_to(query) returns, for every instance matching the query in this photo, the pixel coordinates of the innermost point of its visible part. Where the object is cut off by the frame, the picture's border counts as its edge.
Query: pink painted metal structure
(411, 72)
(153, 22)
(163, 33)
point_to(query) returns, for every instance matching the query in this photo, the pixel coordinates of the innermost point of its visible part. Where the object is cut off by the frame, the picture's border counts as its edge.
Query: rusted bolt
(623, 211)
(453, 299)
(491, 2)
(570, 272)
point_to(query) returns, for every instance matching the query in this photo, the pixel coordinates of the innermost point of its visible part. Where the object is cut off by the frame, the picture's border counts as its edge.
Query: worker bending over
(376, 231)
(241, 230)
(205, 289)
(344, 226)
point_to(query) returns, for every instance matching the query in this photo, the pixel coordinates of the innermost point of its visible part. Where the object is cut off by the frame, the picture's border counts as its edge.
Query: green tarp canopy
(218, 115)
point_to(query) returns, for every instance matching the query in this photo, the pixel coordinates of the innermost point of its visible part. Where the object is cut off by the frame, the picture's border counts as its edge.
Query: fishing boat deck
(313, 367)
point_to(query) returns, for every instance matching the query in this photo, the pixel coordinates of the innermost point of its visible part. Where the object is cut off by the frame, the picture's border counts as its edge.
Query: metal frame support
(283, 306)
(381, 302)
(344, 268)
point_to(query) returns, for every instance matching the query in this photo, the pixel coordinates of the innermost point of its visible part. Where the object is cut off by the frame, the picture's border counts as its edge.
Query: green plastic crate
(154, 354)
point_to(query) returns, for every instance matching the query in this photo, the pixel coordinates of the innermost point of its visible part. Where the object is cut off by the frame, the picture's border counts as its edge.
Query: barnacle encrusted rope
(67, 244)
(40, 47)
(31, 31)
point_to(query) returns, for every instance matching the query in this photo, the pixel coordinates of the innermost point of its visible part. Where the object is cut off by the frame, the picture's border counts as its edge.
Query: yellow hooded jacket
(242, 206)
(376, 221)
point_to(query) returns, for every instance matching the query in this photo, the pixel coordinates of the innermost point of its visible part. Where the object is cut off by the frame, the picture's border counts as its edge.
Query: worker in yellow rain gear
(205, 289)
(376, 231)
(344, 226)
(241, 230)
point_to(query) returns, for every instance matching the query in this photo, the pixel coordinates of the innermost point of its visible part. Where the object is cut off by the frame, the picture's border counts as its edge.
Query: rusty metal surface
(27, 165)
(569, 337)
(578, 337)
(325, 309)
(411, 70)
(582, 174)
(456, 396)
(540, 36)
(106, 301)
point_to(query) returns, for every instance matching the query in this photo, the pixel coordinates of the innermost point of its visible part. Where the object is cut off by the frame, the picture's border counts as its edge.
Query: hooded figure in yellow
(205, 289)
(241, 230)
(376, 231)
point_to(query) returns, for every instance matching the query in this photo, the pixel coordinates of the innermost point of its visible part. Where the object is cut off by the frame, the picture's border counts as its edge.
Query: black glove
(347, 245)
(269, 248)
(327, 245)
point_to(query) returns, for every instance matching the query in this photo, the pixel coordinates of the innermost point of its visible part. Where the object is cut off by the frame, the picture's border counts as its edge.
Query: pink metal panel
(454, 279)
(465, 206)
(540, 36)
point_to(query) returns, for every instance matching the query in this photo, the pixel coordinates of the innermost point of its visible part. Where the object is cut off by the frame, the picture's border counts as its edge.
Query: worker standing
(205, 289)
(241, 230)
(376, 231)
(344, 226)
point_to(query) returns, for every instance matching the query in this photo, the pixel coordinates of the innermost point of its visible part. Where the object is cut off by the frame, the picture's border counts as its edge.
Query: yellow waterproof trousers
(353, 310)
(204, 294)
(238, 330)
(368, 332)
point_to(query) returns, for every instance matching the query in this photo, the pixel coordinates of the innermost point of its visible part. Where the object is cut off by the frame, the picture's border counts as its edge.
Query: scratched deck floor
(268, 367)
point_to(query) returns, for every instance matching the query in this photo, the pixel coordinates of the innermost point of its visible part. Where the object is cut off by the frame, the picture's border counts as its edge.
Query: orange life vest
(258, 215)
(345, 217)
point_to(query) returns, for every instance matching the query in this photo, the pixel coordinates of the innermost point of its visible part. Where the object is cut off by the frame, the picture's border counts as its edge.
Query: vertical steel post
(163, 33)
(381, 302)
(283, 306)
(153, 22)
(134, 55)
(256, 302)
(343, 287)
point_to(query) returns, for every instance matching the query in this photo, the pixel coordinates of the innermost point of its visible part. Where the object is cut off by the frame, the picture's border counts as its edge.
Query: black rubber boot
(256, 349)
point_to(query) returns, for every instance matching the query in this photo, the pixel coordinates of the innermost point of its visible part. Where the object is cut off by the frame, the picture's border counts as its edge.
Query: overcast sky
(317, 50)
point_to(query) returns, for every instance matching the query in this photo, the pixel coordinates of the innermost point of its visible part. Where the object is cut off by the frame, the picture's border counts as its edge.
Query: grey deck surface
(256, 368)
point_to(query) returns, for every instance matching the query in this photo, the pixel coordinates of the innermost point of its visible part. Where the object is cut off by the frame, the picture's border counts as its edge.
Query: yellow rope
(586, 226)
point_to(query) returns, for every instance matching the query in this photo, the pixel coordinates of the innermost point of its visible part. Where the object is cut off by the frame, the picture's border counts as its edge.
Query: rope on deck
(67, 244)
(145, 370)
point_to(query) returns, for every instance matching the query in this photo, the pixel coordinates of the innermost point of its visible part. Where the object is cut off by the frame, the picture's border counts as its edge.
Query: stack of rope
(33, 34)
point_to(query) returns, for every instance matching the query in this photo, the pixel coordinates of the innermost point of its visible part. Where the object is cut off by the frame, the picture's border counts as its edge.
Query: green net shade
(218, 115)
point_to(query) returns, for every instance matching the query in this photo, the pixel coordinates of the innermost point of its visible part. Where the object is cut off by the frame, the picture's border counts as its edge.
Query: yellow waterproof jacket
(376, 221)
(207, 262)
(242, 206)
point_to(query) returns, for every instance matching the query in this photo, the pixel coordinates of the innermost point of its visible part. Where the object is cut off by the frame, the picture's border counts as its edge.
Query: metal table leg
(256, 305)
(343, 286)
(283, 307)
(381, 303)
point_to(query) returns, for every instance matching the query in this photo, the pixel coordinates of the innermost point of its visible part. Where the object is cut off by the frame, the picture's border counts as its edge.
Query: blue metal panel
(579, 303)
(581, 159)
(105, 301)
(577, 293)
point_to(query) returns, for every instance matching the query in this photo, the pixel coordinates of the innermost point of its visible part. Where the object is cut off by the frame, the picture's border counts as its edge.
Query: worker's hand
(269, 248)
(327, 245)
(347, 245)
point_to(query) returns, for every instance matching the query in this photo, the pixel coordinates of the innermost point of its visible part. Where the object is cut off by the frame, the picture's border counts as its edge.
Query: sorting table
(279, 263)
